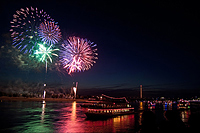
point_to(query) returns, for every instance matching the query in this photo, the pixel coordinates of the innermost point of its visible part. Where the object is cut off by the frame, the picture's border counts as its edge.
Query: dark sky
(155, 44)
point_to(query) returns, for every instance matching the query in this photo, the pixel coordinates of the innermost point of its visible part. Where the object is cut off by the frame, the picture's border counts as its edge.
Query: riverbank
(5, 98)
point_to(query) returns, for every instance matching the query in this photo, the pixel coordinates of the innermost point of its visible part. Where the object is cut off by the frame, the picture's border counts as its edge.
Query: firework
(44, 53)
(78, 54)
(24, 28)
(49, 32)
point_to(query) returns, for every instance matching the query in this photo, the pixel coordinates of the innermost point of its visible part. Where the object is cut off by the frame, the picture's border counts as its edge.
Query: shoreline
(6, 98)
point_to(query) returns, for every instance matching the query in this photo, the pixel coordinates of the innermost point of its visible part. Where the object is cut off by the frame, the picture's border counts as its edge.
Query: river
(62, 117)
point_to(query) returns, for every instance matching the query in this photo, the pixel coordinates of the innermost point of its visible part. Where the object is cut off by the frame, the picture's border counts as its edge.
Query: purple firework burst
(49, 32)
(24, 28)
(78, 54)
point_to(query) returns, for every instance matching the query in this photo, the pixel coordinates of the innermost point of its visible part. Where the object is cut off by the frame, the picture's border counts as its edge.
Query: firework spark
(43, 53)
(78, 54)
(24, 28)
(49, 32)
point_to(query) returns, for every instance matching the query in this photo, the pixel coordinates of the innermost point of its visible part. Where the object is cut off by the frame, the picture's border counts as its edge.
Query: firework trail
(49, 32)
(78, 54)
(24, 28)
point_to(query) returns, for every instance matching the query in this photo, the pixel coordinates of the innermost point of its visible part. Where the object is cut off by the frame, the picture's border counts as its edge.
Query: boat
(109, 107)
(92, 102)
(183, 104)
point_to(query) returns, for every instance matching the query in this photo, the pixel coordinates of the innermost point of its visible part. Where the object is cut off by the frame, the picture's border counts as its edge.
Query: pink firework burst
(49, 32)
(78, 54)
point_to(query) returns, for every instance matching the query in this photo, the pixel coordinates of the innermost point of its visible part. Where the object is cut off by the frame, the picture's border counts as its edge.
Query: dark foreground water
(63, 117)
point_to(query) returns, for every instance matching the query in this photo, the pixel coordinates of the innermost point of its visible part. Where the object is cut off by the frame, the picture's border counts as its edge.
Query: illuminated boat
(109, 107)
(183, 104)
(92, 102)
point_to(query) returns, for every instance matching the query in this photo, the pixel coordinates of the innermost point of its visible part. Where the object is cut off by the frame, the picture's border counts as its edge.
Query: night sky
(154, 44)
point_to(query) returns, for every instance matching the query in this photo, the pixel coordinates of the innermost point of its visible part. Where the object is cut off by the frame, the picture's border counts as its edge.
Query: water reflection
(70, 119)
(73, 119)
(123, 123)
(185, 114)
(73, 116)
(25, 117)
(43, 111)
(140, 118)
(67, 117)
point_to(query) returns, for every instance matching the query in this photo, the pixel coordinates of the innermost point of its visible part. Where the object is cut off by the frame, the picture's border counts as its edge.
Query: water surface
(64, 117)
